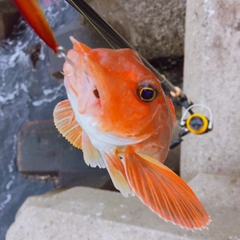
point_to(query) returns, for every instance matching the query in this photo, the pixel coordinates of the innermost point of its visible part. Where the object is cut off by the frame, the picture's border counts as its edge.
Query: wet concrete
(24, 95)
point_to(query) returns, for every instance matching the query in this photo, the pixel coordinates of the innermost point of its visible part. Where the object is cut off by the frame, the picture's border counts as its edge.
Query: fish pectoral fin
(64, 119)
(164, 192)
(117, 173)
(91, 155)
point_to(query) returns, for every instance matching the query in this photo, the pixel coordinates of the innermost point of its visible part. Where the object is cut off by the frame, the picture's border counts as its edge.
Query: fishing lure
(32, 12)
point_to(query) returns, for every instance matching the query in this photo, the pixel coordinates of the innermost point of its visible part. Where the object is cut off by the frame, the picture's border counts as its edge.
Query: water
(25, 95)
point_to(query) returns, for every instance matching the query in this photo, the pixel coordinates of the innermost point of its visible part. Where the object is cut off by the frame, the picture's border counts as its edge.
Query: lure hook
(61, 53)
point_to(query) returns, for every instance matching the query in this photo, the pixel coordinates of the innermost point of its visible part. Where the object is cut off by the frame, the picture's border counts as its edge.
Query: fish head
(117, 90)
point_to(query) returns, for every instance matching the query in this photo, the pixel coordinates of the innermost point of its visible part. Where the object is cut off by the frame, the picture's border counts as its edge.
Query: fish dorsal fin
(78, 46)
(163, 191)
(64, 119)
(91, 155)
(116, 170)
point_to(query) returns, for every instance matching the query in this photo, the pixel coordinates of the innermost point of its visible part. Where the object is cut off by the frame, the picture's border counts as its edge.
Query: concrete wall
(154, 28)
(212, 77)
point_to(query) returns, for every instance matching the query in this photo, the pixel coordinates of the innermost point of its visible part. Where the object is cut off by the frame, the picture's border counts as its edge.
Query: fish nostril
(96, 93)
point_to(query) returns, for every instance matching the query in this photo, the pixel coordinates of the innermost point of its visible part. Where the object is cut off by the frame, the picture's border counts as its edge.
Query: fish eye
(147, 93)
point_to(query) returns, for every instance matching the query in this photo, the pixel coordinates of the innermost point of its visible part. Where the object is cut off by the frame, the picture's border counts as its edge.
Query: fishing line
(104, 29)
(95, 27)
(107, 32)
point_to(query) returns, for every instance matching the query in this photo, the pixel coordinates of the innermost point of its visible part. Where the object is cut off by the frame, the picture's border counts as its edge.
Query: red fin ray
(91, 155)
(116, 170)
(66, 124)
(163, 191)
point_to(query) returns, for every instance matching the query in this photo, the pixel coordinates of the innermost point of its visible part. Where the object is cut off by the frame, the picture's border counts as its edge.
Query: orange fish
(119, 115)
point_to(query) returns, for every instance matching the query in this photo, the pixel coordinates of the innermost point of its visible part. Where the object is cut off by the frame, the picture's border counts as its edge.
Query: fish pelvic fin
(91, 155)
(116, 171)
(164, 192)
(64, 120)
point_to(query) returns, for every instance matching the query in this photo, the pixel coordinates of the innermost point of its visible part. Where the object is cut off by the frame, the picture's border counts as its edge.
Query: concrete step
(85, 213)
(43, 151)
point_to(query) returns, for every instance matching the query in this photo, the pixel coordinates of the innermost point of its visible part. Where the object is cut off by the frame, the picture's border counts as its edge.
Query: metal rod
(112, 34)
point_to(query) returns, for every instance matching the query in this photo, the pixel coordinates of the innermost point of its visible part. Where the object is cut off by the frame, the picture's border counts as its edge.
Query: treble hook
(61, 53)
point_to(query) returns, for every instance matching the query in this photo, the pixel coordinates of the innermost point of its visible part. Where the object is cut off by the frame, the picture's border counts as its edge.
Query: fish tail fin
(163, 191)
(64, 120)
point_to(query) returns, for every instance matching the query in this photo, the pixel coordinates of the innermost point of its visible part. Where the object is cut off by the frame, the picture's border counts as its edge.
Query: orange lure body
(35, 17)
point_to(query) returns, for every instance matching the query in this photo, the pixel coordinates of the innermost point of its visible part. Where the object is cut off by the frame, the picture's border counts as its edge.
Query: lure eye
(147, 93)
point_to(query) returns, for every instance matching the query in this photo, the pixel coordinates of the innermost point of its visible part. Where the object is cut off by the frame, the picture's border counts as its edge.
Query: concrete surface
(211, 77)
(42, 151)
(85, 213)
(154, 28)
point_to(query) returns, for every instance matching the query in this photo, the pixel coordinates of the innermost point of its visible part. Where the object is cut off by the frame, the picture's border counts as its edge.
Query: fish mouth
(96, 92)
